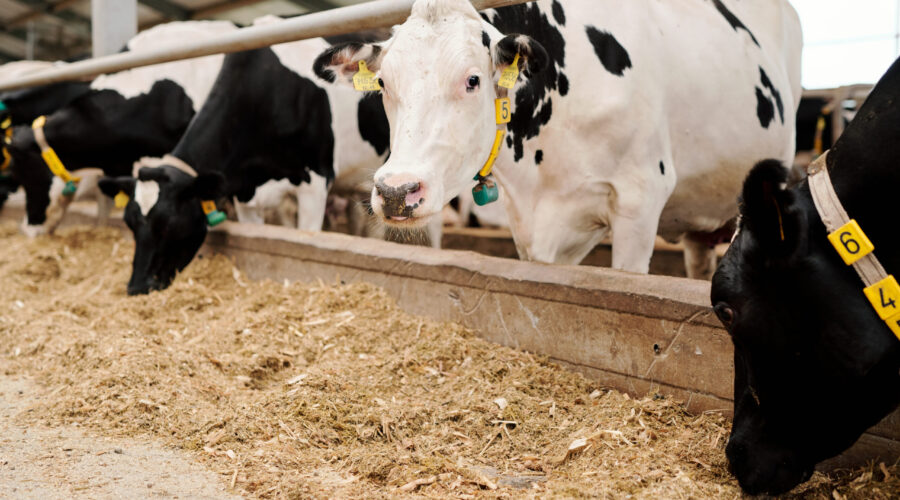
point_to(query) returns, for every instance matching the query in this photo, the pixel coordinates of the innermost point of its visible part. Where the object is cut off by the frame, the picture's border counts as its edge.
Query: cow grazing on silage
(265, 119)
(814, 365)
(624, 120)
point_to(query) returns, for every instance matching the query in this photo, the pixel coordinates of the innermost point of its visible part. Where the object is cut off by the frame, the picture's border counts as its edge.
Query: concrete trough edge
(635, 333)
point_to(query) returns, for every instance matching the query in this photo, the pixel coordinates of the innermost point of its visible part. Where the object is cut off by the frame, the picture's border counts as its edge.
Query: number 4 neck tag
(364, 80)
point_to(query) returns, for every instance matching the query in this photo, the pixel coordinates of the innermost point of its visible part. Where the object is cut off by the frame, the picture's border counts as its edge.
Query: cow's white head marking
(146, 194)
(438, 75)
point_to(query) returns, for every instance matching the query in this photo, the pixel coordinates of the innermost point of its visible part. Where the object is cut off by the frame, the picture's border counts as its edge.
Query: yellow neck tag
(502, 110)
(364, 80)
(121, 199)
(39, 122)
(8, 137)
(510, 75)
(56, 166)
(209, 206)
(495, 150)
(6, 123)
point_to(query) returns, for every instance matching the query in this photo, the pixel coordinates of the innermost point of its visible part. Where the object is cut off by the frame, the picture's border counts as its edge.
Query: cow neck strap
(214, 216)
(52, 159)
(6, 126)
(486, 190)
(854, 247)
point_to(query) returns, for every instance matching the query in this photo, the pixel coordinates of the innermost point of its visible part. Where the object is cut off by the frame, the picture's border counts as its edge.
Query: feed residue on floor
(324, 390)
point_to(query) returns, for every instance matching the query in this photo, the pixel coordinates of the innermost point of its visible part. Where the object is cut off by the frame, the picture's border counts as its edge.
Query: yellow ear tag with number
(121, 199)
(364, 80)
(510, 75)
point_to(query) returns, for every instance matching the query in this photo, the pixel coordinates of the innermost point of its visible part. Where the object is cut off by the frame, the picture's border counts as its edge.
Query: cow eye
(472, 83)
(381, 83)
(725, 313)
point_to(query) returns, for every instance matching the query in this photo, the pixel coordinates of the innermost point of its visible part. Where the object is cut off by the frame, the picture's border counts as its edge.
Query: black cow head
(814, 366)
(164, 213)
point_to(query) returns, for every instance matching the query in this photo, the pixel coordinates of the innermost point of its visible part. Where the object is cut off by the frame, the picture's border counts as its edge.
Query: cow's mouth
(406, 222)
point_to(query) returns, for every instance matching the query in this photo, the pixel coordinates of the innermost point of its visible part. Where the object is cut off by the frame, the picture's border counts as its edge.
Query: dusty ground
(294, 391)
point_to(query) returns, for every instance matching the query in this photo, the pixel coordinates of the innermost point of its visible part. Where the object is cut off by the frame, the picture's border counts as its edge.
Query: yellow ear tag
(121, 199)
(6, 123)
(510, 75)
(364, 80)
(209, 206)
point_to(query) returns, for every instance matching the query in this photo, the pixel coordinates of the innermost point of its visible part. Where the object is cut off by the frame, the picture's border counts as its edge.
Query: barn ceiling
(61, 29)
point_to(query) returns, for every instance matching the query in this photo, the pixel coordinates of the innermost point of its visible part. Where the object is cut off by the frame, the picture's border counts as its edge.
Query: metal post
(30, 41)
(113, 23)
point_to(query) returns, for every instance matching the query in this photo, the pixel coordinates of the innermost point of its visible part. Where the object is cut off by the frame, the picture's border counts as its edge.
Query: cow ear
(338, 64)
(533, 57)
(769, 212)
(111, 186)
(208, 186)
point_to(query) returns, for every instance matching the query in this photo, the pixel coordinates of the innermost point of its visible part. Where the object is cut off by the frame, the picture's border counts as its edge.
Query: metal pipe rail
(375, 14)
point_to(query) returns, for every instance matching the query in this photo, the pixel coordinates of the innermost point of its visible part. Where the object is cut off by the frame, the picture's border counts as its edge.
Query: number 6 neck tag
(851, 242)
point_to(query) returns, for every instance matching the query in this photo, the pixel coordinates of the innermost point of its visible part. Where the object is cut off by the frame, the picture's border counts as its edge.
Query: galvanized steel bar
(375, 14)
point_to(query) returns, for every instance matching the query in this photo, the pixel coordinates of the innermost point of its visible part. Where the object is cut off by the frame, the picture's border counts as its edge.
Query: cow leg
(563, 232)
(435, 231)
(312, 199)
(249, 212)
(699, 258)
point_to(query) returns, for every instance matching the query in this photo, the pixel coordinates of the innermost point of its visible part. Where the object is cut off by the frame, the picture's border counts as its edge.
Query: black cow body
(814, 365)
(262, 121)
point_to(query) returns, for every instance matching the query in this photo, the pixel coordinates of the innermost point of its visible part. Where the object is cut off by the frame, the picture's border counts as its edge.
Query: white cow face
(438, 75)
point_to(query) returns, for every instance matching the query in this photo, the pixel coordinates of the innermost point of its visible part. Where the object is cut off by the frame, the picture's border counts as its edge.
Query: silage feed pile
(325, 391)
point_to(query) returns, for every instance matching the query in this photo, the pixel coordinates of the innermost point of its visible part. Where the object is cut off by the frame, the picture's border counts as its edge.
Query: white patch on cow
(146, 194)
(195, 76)
(32, 230)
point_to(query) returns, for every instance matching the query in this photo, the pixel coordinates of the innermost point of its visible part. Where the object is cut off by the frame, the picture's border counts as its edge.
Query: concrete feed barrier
(635, 333)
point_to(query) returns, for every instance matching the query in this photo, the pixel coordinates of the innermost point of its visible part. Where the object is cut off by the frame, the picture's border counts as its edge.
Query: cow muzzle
(399, 196)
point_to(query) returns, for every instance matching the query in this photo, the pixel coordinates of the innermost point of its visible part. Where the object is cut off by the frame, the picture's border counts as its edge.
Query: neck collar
(854, 247)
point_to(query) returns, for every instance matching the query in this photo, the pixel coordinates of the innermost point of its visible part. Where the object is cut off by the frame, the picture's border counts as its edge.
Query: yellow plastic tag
(6, 123)
(894, 324)
(364, 80)
(504, 114)
(209, 206)
(9, 134)
(6, 160)
(885, 297)
(121, 199)
(39, 122)
(851, 242)
(495, 150)
(510, 75)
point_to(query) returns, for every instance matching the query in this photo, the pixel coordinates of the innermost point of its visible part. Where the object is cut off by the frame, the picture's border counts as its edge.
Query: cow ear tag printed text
(214, 217)
(364, 80)
(121, 199)
(510, 75)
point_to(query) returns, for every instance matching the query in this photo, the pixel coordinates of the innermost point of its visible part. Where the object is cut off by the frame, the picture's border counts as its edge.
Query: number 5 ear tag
(364, 80)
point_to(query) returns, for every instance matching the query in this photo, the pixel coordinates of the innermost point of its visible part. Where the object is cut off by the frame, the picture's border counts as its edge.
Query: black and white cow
(123, 117)
(21, 107)
(630, 118)
(265, 119)
(814, 364)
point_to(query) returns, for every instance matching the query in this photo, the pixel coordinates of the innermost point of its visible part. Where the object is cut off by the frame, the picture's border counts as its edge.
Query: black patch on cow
(732, 19)
(262, 121)
(27, 104)
(563, 84)
(662, 168)
(485, 39)
(538, 156)
(509, 141)
(611, 53)
(373, 123)
(558, 13)
(529, 115)
(764, 108)
(764, 79)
